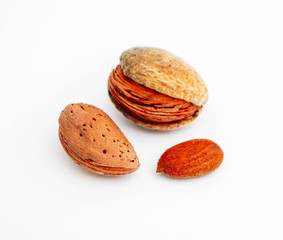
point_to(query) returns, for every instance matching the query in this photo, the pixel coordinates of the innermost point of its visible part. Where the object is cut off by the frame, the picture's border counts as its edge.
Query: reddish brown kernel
(191, 159)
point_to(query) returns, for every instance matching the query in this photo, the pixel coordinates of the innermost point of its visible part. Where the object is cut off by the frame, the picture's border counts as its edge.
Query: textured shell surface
(164, 72)
(94, 141)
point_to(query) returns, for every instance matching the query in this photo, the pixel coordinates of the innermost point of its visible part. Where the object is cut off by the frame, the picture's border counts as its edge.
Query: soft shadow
(85, 172)
(162, 175)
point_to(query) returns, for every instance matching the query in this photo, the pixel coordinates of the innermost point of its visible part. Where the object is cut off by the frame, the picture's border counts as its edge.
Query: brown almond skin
(191, 159)
(95, 142)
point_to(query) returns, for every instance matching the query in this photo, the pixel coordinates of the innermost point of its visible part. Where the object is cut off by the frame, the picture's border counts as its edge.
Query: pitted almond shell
(94, 141)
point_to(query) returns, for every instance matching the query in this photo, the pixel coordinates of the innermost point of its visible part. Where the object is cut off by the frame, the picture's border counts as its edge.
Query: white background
(53, 53)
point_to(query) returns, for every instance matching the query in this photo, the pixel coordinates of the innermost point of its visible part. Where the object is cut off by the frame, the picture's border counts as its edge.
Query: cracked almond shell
(95, 142)
(156, 89)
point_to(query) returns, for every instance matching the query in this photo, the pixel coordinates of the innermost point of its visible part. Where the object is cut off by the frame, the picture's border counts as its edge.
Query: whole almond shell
(94, 141)
(191, 159)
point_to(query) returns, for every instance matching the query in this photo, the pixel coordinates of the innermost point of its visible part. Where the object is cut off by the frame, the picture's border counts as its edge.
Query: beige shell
(164, 72)
(94, 141)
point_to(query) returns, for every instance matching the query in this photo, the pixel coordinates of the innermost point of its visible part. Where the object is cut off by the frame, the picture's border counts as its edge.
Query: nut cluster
(155, 89)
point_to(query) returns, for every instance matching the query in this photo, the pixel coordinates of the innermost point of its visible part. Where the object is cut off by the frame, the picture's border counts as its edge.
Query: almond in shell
(91, 138)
